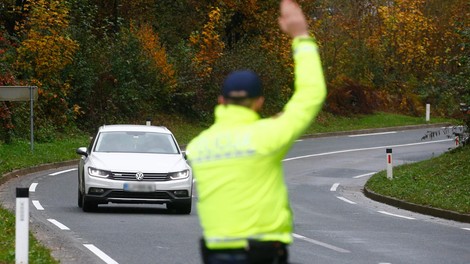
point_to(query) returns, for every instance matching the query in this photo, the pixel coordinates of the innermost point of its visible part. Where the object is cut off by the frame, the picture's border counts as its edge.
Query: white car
(134, 164)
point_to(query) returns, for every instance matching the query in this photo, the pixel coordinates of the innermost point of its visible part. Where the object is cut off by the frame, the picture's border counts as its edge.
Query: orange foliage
(47, 49)
(208, 43)
(152, 46)
(404, 36)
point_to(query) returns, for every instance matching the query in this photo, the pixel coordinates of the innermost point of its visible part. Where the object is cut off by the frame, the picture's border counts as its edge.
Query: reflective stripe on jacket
(237, 162)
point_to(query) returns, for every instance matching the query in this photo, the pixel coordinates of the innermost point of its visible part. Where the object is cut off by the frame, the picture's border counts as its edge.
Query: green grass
(18, 155)
(328, 123)
(37, 252)
(441, 182)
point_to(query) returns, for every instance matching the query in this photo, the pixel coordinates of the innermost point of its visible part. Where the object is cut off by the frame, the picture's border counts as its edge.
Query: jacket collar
(234, 115)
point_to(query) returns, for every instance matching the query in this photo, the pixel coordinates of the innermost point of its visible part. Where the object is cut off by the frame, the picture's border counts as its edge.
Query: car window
(137, 142)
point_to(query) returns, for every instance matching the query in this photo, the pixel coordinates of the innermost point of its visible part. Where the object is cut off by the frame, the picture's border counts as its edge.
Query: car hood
(134, 162)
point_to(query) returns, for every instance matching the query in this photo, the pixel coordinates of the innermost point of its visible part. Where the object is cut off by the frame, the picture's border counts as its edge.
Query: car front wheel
(88, 206)
(179, 208)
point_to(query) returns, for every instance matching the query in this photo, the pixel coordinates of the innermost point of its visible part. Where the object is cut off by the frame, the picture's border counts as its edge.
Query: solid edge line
(58, 224)
(426, 210)
(38, 205)
(464, 228)
(396, 215)
(363, 149)
(32, 187)
(345, 200)
(334, 187)
(319, 243)
(60, 172)
(373, 134)
(103, 256)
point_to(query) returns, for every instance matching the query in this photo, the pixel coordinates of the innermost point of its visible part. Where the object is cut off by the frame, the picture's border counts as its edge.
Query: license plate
(139, 187)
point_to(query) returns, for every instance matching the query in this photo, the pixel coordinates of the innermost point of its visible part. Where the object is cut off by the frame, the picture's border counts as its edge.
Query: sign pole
(31, 108)
(22, 226)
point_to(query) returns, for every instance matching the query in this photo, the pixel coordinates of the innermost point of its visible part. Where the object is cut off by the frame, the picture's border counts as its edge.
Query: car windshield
(136, 142)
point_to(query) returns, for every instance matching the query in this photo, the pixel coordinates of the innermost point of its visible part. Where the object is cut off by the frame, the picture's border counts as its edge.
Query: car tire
(80, 198)
(179, 208)
(88, 206)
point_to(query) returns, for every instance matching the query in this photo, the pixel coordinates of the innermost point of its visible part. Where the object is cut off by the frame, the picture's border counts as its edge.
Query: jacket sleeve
(278, 133)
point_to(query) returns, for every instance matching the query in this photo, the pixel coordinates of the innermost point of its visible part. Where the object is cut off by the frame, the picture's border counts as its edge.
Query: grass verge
(37, 252)
(441, 182)
(18, 155)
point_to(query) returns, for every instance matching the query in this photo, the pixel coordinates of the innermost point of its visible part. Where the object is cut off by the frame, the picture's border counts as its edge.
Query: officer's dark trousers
(268, 252)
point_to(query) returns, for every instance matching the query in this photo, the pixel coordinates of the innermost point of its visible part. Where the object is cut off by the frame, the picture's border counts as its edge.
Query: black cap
(242, 84)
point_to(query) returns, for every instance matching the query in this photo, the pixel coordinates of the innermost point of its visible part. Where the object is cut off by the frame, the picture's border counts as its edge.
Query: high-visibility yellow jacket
(237, 162)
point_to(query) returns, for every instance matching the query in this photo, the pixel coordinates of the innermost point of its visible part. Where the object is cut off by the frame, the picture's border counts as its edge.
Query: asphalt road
(334, 222)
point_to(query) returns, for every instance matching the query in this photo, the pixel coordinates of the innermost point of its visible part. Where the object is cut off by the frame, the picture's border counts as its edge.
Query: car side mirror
(82, 151)
(184, 154)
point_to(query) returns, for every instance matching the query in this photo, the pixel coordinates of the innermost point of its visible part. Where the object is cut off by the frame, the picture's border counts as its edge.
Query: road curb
(427, 210)
(21, 172)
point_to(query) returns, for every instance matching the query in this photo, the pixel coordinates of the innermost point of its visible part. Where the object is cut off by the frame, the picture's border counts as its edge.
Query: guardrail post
(22, 226)
(389, 164)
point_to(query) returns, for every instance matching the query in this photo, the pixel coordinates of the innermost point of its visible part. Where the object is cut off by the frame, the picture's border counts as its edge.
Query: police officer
(242, 197)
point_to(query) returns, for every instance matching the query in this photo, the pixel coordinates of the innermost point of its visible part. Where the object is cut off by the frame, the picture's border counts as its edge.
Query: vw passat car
(134, 164)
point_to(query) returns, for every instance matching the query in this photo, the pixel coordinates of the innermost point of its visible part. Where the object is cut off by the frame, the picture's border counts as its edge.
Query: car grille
(130, 176)
(138, 195)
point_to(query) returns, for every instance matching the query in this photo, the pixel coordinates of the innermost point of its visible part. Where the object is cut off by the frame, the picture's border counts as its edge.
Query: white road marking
(60, 172)
(319, 243)
(58, 224)
(346, 200)
(334, 187)
(362, 149)
(385, 263)
(32, 187)
(466, 228)
(37, 205)
(364, 175)
(100, 254)
(396, 215)
(373, 134)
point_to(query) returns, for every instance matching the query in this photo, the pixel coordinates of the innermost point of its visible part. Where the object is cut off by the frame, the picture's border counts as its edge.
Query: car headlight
(98, 173)
(179, 175)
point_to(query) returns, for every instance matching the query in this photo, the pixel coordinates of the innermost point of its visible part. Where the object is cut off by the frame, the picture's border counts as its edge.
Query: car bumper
(105, 190)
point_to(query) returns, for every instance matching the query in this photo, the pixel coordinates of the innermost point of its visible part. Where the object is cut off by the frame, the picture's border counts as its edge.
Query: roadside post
(22, 226)
(389, 164)
(148, 122)
(428, 112)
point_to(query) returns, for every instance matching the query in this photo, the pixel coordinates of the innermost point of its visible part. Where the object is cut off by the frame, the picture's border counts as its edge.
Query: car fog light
(96, 190)
(181, 193)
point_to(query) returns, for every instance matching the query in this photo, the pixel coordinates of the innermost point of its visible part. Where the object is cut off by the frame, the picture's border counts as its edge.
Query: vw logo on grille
(139, 176)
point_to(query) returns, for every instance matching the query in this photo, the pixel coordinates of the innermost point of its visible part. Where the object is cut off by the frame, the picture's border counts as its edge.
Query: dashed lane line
(364, 175)
(322, 244)
(103, 256)
(37, 205)
(345, 200)
(58, 224)
(396, 215)
(334, 187)
(32, 187)
(60, 172)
